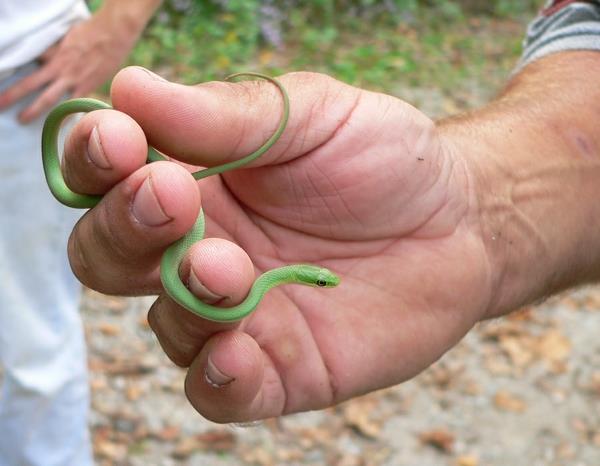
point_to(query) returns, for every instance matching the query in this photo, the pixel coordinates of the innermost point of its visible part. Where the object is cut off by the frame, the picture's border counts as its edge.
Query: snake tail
(304, 274)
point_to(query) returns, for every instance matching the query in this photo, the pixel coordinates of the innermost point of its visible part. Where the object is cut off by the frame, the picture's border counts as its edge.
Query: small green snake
(304, 274)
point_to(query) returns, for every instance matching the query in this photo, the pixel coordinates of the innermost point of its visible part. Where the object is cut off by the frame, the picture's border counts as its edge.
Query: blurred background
(524, 390)
(438, 53)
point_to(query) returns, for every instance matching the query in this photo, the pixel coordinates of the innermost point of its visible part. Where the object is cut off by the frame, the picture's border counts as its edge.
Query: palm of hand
(387, 208)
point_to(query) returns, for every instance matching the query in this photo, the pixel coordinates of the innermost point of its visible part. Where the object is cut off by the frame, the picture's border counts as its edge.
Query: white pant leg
(45, 397)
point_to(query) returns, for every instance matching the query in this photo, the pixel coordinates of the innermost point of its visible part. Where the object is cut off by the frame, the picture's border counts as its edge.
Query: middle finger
(116, 247)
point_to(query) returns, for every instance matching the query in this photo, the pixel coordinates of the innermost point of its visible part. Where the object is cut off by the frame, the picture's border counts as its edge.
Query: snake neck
(271, 279)
(280, 276)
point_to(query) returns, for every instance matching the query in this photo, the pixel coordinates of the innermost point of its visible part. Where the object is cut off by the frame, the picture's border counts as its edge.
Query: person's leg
(44, 401)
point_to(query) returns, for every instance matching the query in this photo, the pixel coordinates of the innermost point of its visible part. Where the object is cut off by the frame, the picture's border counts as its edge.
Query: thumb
(218, 122)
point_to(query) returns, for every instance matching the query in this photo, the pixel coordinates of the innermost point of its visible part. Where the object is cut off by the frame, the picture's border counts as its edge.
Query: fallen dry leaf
(553, 347)
(213, 441)
(258, 456)
(591, 301)
(286, 455)
(110, 450)
(348, 460)
(518, 349)
(509, 402)
(467, 460)
(98, 383)
(185, 447)
(440, 439)
(443, 374)
(579, 425)
(133, 392)
(526, 314)
(493, 330)
(357, 414)
(217, 440)
(109, 329)
(309, 437)
(472, 388)
(168, 433)
(496, 365)
(121, 366)
(565, 451)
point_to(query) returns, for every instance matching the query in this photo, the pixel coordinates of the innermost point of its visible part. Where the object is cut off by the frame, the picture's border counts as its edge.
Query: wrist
(535, 169)
(127, 18)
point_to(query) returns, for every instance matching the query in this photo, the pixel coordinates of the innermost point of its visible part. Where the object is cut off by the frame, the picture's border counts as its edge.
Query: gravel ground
(523, 390)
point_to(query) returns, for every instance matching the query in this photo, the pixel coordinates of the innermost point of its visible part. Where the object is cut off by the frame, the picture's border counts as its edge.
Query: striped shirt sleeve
(560, 26)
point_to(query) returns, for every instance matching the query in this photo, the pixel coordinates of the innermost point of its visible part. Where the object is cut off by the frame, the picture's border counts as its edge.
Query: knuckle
(87, 244)
(173, 342)
(78, 257)
(110, 236)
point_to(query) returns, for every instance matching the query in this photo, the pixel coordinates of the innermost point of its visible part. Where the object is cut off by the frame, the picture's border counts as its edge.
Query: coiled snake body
(304, 274)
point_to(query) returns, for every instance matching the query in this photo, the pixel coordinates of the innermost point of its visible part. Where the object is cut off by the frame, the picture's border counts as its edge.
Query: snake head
(317, 276)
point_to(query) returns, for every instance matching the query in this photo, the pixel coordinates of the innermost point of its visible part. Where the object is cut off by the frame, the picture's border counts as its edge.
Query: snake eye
(321, 283)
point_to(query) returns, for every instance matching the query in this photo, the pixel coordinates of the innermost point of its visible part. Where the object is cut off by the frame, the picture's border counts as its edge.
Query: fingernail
(95, 151)
(214, 377)
(200, 290)
(146, 208)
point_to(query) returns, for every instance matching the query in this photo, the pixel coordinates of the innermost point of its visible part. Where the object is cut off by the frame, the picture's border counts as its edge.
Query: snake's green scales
(169, 268)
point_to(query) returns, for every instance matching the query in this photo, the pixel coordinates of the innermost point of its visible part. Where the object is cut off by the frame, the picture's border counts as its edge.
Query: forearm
(127, 17)
(534, 155)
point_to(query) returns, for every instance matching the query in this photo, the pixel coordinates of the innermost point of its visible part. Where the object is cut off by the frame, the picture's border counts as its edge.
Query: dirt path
(519, 391)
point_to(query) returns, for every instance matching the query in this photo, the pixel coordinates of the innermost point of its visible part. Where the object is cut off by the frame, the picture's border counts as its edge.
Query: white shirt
(29, 27)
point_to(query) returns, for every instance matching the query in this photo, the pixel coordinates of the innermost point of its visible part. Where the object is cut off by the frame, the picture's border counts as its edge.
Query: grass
(435, 47)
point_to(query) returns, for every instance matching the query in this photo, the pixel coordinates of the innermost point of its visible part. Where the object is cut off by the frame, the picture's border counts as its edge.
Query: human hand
(86, 56)
(360, 183)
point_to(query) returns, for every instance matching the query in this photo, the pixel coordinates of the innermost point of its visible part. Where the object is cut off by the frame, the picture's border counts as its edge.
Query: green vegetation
(377, 44)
